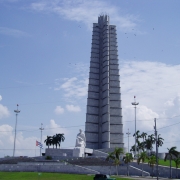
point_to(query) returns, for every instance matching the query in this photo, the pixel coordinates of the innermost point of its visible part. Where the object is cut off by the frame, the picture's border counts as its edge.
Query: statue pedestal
(78, 152)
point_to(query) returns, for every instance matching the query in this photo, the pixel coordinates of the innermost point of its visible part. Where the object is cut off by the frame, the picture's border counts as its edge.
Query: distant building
(104, 128)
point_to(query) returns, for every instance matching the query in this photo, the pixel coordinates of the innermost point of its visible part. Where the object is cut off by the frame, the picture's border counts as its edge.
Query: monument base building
(104, 128)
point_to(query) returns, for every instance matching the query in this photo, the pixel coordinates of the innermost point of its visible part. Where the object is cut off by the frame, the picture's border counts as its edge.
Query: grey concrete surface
(104, 99)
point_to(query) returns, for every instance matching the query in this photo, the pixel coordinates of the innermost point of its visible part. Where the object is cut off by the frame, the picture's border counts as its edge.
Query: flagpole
(135, 104)
(41, 137)
(16, 111)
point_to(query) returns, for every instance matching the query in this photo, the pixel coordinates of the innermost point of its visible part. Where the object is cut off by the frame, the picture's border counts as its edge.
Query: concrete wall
(46, 168)
(58, 152)
(135, 169)
(163, 170)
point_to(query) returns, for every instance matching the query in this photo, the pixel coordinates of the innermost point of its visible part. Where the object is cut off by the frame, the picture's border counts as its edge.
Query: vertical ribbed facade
(104, 128)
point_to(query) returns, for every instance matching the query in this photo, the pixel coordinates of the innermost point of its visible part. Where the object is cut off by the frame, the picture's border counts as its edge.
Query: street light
(16, 111)
(41, 136)
(135, 104)
(128, 133)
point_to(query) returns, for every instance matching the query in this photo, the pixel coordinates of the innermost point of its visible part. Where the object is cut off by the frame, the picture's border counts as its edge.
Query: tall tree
(140, 146)
(141, 158)
(48, 141)
(116, 163)
(172, 152)
(115, 155)
(127, 159)
(152, 162)
(149, 143)
(109, 158)
(57, 140)
(160, 140)
(143, 135)
(118, 152)
(177, 162)
(137, 135)
(133, 148)
(60, 138)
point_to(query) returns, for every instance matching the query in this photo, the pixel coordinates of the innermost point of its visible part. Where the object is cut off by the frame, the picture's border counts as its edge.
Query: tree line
(145, 153)
(54, 140)
(147, 142)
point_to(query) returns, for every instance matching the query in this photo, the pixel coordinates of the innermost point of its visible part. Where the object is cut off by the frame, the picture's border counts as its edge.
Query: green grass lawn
(45, 176)
(165, 163)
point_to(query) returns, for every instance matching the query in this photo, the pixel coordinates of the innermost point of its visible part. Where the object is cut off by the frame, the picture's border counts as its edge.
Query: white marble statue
(79, 149)
(80, 139)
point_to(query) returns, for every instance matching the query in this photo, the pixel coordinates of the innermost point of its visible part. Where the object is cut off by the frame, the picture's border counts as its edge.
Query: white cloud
(59, 110)
(144, 116)
(54, 128)
(4, 112)
(0, 97)
(73, 108)
(156, 87)
(77, 11)
(23, 145)
(74, 87)
(152, 82)
(12, 32)
(5, 129)
(69, 83)
(172, 107)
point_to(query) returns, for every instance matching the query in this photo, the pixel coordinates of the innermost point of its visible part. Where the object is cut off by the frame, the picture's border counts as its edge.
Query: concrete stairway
(90, 161)
(15, 160)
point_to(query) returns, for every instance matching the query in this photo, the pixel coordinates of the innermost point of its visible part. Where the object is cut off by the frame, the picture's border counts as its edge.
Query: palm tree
(57, 139)
(110, 157)
(117, 152)
(143, 135)
(171, 153)
(54, 141)
(141, 158)
(140, 146)
(149, 143)
(127, 159)
(60, 138)
(177, 162)
(115, 156)
(160, 140)
(48, 141)
(133, 148)
(152, 162)
(116, 163)
(137, 135)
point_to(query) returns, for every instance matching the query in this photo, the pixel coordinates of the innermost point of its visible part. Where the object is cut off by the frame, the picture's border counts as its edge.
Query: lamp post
(157, 168)
(135, 104)
(41, 128)
(16, 111)
(128, 133)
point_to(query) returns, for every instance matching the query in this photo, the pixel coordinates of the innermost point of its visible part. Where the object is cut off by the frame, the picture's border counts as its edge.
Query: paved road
(145, 178)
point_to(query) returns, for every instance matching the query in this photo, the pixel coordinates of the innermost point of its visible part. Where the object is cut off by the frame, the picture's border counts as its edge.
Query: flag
(39, 144)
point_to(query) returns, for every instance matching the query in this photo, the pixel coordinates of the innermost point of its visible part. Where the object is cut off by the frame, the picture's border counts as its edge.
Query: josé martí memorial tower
(104, 128)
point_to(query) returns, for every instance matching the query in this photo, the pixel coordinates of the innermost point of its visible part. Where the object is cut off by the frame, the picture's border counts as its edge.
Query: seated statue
(80, 139)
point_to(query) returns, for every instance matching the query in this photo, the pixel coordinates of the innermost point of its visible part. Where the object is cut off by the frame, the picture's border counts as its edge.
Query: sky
(45, 51)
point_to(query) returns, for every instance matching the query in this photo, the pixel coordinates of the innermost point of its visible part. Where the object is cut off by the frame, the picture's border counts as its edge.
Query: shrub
(48, 158)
